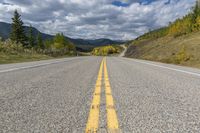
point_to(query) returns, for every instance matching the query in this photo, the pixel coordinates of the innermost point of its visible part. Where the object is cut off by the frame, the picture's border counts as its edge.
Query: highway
(99, 94)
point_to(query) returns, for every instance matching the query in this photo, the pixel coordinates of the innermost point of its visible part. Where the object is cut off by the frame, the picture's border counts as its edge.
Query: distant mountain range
(81, 44)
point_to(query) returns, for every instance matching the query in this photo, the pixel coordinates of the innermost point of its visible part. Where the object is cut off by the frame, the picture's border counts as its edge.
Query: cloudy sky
(114, 19)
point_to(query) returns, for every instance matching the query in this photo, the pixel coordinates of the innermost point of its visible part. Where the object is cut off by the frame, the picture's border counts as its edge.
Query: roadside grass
(183, 50)
(15, 53)
(6, 58)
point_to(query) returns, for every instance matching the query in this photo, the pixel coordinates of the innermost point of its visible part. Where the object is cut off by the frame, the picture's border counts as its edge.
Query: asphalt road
(55, 96)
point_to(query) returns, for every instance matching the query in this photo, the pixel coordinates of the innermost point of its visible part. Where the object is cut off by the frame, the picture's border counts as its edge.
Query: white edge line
(33, 66)
(174, 69)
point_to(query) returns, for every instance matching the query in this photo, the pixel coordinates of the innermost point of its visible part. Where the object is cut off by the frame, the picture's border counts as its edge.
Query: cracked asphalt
(54, 96)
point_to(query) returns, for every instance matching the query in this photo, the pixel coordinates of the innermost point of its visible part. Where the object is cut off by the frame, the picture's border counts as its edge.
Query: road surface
(84, 94)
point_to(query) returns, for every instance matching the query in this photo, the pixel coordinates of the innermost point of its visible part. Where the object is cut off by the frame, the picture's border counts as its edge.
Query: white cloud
(96, 18)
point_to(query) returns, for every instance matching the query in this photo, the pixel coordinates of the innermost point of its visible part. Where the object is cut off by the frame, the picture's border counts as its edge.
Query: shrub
(106, 50)
(182, 56)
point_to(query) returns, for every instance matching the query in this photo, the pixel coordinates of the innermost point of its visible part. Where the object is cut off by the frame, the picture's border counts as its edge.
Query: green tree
(17, 33)
(196, 17)
(31, 37)
(48, 43)
(196, 12)
(40, 41)
(59, 41)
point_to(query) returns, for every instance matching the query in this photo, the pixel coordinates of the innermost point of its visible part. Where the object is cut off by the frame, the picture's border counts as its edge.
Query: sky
(92, 19)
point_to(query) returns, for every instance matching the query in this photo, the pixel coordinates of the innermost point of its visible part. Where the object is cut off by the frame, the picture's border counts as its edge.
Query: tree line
(58, 45)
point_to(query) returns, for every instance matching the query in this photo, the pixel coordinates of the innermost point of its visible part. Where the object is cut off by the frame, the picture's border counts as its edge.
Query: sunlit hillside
(177, 43)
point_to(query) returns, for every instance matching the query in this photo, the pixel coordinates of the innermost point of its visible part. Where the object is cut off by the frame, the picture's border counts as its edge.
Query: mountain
(5, 29)
(178, 43)
(81, 44)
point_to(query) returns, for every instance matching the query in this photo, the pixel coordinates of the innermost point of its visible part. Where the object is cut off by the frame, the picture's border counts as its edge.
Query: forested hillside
(177, 43)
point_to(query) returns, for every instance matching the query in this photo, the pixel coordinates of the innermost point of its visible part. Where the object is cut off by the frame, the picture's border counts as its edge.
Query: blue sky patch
(119, 3)
(146, 2)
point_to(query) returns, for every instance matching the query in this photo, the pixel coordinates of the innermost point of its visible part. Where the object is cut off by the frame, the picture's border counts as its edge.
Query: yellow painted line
(93, 119)
(112, 121)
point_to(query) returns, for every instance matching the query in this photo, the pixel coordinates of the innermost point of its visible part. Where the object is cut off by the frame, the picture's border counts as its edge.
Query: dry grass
(183, 50)
(13, 53)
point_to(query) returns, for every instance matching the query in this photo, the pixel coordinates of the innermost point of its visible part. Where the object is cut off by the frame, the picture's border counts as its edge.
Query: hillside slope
(178, 43)
(184, 50)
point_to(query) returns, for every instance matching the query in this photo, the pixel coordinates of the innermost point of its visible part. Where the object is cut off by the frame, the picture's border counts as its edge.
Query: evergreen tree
(39, 41)
(17, 32)
(31, 37)
(196, 12)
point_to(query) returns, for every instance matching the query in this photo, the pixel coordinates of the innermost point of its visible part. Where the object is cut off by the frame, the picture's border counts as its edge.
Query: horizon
(67, 36)
(115, 20)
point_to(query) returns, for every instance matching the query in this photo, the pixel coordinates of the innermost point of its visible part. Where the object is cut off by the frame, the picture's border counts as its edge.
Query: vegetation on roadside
(178, 43)
(107, 50)
(11, 53)
(24, 47)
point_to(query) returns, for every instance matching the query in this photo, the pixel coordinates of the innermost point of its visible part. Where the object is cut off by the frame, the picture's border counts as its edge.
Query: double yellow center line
(93, 119)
